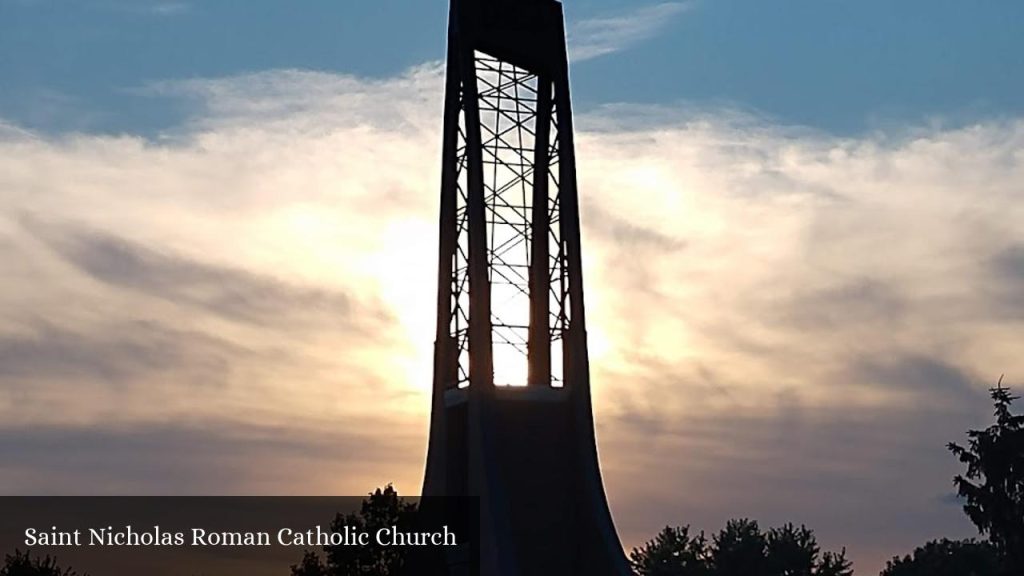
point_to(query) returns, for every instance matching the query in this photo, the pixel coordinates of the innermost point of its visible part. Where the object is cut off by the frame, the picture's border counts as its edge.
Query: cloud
(159, 8)
(153, 7)
(120, 356)
(170, 8)
(232, 293)
(783, 323)
(190, 459)
(1008, 292)
(924, 380)
(608, 34)
(1010, 263)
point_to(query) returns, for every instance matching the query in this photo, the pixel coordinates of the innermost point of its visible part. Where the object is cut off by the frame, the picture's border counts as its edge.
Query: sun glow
(404, 269)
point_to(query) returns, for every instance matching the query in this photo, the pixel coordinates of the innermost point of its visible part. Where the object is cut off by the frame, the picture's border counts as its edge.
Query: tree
(833, 564)
(673, 552)
(791, 551)
(310, 565)
(382, 509)
(946, 558)
(740, 549)
(23, 564)
(993, 485)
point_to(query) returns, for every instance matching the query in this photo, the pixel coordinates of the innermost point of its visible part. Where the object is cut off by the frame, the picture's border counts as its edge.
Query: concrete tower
(511, 420)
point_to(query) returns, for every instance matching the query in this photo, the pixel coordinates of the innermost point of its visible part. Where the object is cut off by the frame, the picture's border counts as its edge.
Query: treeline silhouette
(991, 486)
(739, 549)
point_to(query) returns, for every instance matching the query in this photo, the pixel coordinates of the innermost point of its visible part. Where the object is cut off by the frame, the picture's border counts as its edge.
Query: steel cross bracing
(508, 102)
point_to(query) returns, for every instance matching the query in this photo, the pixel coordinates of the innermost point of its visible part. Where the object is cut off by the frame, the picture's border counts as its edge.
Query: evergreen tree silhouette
(382, 509)
(673, 552)
(740, 549)
(833, 564)
(791, 551)
(947, 558)
(993, 484)
(310, 565)
(23, 564)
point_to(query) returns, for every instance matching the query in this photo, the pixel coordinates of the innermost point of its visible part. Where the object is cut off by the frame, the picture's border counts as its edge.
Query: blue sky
(802, 250)
(840, 66)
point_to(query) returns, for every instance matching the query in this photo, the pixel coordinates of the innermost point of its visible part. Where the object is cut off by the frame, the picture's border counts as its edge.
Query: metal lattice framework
(520, 150)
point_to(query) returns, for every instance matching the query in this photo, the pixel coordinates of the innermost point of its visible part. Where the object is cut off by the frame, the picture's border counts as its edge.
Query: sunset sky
(803, 234)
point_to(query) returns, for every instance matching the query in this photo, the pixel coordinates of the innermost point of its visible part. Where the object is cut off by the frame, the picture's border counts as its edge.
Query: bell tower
(511, 420)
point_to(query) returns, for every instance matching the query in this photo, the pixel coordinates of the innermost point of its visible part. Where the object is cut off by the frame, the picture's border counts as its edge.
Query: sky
(801, 224)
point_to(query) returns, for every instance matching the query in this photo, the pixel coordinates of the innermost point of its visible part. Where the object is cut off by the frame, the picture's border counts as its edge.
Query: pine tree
(673, 552)
(740, 549)
(23, 564)
(833, 564)
(993, 484)
(791, 551)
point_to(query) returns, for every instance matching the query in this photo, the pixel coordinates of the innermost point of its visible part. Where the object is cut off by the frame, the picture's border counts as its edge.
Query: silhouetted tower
(512, 420)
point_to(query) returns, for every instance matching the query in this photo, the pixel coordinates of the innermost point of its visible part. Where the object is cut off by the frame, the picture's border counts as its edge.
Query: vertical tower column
(539, 343)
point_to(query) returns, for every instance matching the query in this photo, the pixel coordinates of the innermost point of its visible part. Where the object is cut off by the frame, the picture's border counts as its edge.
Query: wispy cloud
(170, 8)
(607, 34)
(150, 7)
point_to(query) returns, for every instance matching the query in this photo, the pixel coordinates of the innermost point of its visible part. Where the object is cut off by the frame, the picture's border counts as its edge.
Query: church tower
(511, 421)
